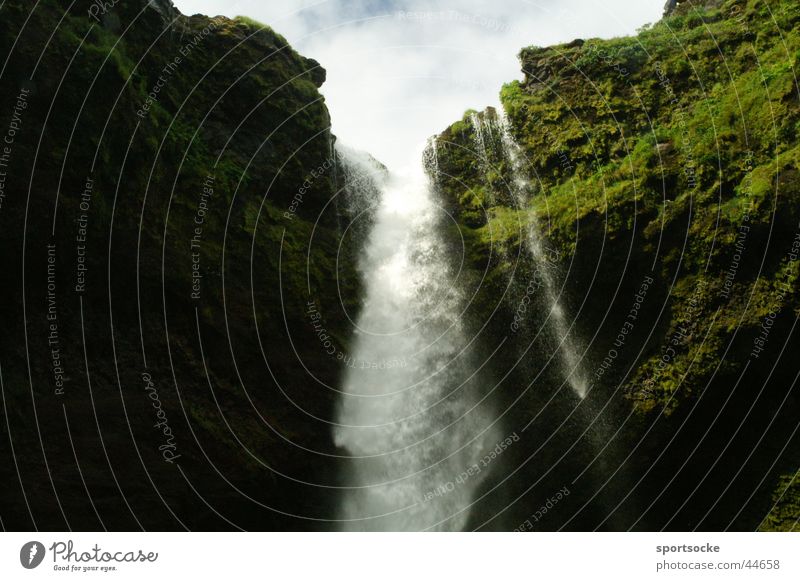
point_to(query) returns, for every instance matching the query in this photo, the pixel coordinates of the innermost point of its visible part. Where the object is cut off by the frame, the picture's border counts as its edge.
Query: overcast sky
(402, 70)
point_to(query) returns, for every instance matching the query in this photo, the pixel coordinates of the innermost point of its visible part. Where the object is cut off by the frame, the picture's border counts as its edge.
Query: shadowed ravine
(578, 312)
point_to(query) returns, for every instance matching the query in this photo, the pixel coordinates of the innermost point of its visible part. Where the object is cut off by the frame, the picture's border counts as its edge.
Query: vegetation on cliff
(674, 155)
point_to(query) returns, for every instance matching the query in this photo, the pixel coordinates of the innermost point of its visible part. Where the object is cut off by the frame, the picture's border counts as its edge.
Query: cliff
(168, 213)
(664, 177)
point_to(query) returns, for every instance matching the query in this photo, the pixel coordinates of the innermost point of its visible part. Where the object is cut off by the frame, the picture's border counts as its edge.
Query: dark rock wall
(159, 187)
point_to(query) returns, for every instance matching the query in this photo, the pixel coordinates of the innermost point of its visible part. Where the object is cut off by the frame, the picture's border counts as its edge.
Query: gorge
(575, 311)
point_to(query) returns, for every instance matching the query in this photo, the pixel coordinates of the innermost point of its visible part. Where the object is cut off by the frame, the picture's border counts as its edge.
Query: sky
(399, 71)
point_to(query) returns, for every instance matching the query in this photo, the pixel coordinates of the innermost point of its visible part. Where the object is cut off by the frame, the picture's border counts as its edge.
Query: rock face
(669, 7)
(669, 157)
(673, 7)
(168, 213)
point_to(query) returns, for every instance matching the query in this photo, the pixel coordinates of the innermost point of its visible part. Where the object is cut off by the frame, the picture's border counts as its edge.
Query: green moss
(251, 22)
(652, 142)
(785, 513)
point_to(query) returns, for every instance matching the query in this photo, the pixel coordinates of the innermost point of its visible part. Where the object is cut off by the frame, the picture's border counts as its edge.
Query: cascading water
(430, 158)
(520, 186)
(410, 413)
(480, 140)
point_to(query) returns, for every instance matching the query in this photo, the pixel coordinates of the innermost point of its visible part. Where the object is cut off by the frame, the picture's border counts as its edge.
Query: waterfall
(410, 415)
(480, 141)
(520, 184)
(430, 158)
(361, 176)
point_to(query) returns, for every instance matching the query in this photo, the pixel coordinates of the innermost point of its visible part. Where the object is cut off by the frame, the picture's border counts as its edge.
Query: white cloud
(402, 70)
